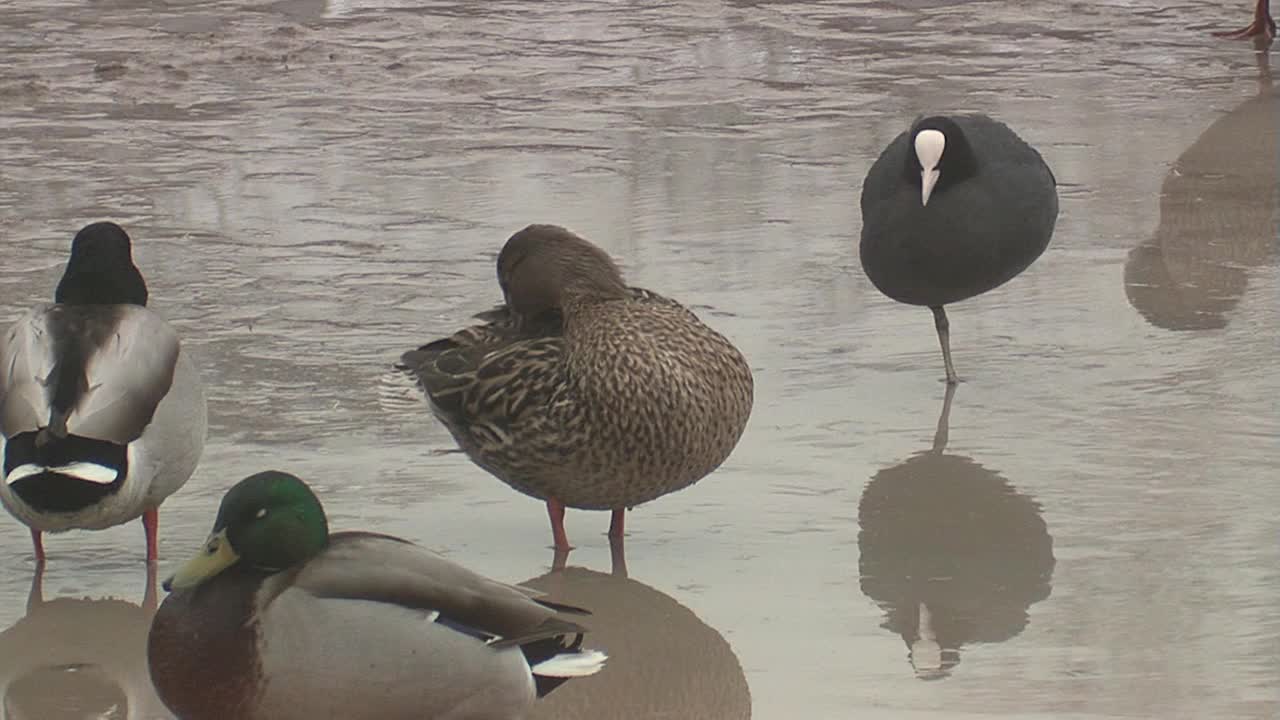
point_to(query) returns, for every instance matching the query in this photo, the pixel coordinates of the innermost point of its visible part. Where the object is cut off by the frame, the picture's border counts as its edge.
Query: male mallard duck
(277, 619)
(582, 391)
(102, 415)
(954, 207)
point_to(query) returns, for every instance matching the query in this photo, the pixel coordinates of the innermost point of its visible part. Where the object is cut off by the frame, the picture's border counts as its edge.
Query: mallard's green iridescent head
(269, 521)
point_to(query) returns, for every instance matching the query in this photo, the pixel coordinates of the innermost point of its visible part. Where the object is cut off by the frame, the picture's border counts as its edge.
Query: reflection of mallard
(70, 659)
(663, 661)
(952, 553)
(1217, 220)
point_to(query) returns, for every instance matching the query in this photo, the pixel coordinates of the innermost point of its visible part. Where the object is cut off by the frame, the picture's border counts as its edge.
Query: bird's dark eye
(262, 512)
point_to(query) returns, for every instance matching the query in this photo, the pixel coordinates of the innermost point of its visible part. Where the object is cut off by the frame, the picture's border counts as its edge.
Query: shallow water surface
(314, 187)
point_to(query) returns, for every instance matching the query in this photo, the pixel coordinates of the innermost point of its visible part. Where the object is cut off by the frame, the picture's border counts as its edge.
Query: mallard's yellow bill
(216, 556)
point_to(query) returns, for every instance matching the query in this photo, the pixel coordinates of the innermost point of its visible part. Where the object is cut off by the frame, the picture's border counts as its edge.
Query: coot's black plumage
(954, 207)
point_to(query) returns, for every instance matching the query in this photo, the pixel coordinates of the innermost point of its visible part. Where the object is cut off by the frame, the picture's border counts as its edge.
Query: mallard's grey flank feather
(412, 577)
(98, 371)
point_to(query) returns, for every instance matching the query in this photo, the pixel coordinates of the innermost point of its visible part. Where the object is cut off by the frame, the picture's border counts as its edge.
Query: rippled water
(314, 187)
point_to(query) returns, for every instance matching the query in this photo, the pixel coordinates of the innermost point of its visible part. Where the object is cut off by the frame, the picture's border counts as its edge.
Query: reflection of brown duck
(1217, 220)
(72, 658)
(951, 552)
(663, 661)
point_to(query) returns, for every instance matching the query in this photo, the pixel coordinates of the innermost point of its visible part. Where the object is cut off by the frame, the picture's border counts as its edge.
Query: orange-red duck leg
(555, 510)
(151, 525)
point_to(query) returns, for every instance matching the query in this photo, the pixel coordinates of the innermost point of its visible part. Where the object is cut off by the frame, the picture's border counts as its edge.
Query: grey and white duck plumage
(102, 414)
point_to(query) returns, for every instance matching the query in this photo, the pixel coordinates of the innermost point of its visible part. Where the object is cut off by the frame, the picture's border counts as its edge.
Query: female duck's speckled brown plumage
(582, 391)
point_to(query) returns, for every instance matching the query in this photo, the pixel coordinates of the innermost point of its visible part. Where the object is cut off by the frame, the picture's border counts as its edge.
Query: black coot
(954, 207)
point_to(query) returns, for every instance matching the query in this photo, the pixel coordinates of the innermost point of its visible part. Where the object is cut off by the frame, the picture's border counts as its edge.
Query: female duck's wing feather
(489, 375)
(379, 568)
(97, 371)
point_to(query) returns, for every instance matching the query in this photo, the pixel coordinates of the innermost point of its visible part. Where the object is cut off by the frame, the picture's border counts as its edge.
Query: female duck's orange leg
(555, 510)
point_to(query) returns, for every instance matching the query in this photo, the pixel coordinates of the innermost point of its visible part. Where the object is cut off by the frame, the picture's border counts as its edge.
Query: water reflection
(1217, 219)
(951, 552)
(663, 661)
(76, 658)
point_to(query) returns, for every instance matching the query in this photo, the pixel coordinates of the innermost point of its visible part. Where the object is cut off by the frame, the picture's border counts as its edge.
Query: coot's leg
(944, 337)
(944, 421)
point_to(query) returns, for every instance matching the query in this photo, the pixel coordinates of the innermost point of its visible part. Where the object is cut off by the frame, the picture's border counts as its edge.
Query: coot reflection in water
(951, 552)
(1217, 220)
(75, 658)
(664, 662)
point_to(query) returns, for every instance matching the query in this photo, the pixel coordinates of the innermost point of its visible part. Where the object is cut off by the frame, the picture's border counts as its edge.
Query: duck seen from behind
(581, 390)
(954, 207)
(278, 619)
(102, 414)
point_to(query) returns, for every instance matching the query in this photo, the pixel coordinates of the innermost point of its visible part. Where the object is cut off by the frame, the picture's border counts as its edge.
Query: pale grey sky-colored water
(315, 187)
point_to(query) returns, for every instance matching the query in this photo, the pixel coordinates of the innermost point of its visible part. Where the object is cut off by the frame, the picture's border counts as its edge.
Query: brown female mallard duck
(582, 391)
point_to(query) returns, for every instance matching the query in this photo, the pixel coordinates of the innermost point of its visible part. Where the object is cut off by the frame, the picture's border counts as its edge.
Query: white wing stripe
(87, 471)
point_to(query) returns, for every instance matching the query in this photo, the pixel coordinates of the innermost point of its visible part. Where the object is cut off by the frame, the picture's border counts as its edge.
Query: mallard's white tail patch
(23, 471)
(579, 664)
(87, 471)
